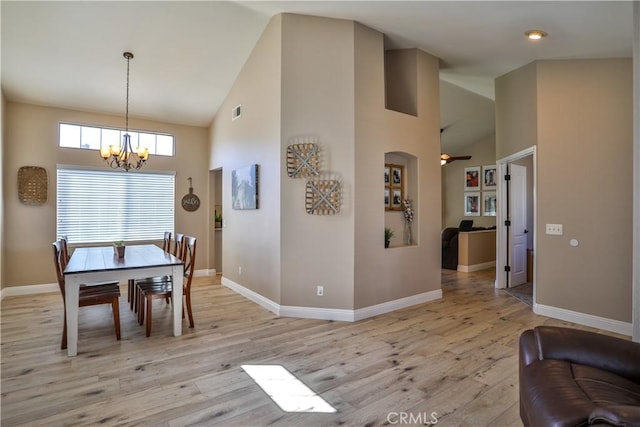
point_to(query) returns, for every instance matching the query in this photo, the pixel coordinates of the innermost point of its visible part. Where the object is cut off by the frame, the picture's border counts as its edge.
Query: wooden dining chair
(65, 250)
(104, 293)
(178, 247)
(148, 291)
(166, 246)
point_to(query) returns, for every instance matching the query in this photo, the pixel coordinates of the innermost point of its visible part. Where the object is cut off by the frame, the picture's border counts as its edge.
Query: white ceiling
(187, 54)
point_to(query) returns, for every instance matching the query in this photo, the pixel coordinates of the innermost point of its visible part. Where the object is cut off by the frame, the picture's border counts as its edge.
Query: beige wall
(585, 182)
(583, 132)
(516, 109)
(453, 181)
(251, 238)
(401, 81)
(318, 101)
(31, 138)
(388, 274)
(301, 81)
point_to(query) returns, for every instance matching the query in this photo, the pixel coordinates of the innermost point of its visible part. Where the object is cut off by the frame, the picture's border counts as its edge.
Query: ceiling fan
(445, 158)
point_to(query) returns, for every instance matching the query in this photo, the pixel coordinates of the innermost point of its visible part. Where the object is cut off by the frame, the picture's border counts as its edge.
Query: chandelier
(123, 156)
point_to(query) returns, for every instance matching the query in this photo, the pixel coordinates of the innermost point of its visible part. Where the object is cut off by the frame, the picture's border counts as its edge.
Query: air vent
(235, 113)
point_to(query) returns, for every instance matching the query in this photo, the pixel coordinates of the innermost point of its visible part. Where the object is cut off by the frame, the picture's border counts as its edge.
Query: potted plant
(118, 248)
(217, 219)
(388, 234)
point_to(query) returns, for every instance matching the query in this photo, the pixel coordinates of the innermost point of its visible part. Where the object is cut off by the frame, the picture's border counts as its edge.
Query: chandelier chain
(124, 156)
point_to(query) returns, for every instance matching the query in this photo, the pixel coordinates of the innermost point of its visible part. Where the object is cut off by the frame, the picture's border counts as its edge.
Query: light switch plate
(554, 229)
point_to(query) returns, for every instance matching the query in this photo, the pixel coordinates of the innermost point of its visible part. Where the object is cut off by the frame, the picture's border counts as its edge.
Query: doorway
(516, 241)
(216, 221)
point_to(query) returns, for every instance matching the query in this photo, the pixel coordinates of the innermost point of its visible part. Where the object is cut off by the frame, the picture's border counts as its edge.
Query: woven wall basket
(32, 185)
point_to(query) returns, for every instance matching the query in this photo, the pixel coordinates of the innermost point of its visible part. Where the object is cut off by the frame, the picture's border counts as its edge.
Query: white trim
(501, 214)
(389, 306)
(204, 272)
(597, 322)
(317, 313)
(13, 291)
(264, 302)
(476, 267)
(331, 313)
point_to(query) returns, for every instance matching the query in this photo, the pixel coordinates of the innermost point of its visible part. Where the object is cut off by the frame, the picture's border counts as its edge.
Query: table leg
(71, 296)
(176, 299)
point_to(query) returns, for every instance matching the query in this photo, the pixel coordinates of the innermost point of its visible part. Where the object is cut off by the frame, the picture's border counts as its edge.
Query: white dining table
(100, 264)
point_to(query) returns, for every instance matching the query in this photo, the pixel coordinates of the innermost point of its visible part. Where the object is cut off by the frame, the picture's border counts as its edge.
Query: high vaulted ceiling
(187, 54)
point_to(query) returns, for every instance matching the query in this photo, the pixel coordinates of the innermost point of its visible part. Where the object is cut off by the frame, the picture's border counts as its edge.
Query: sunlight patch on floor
(287, 391)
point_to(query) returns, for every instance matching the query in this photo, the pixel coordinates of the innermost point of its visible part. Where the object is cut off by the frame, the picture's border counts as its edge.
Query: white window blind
(96, 206)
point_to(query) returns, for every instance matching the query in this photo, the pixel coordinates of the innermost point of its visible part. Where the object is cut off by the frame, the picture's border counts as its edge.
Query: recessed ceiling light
(535, 34)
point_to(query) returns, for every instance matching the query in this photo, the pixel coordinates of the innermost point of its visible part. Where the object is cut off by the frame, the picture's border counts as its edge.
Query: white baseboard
(337, 314)
(476, 267)
(617, 326)
(343, 315)
(13, 291)
(204, 272)
(389, 306)
(265, 302)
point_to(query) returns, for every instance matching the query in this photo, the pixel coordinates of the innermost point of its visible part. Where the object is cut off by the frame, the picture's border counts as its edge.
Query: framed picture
(472, 178)
(244, 188)
(396, 176)
(489, 177)
(489, 203)
(393, 187)
(396, 199)
(472, 204)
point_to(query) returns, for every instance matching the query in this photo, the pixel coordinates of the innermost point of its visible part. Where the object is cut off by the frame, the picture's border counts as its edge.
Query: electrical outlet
(320, 291)
(554, 229)
(239, 271)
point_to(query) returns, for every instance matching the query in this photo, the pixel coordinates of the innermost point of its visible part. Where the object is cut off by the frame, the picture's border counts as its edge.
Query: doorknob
(526, 231)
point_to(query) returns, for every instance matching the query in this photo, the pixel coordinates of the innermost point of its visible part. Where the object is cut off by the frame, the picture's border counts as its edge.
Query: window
(94, 138)
(96, 206)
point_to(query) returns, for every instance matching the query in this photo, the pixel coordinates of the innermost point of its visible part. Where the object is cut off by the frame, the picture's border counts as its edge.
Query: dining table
(101, 264)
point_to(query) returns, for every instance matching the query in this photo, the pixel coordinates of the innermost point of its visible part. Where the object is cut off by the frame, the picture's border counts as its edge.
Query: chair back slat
(65, 249)
(166, 243)
(189, 260)
(59, 263)
(178, 249)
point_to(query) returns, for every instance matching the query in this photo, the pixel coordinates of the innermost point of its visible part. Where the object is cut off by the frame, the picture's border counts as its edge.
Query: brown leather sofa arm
(586, 348)
(616, 415)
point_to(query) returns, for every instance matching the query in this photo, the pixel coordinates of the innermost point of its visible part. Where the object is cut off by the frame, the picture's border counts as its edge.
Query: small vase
(386, 243)
(119, 251)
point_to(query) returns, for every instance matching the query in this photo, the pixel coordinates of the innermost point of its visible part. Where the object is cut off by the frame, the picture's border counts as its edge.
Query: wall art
(303, 160)
(323, 197)
(489, 177)
(472, 178)
(244, 188)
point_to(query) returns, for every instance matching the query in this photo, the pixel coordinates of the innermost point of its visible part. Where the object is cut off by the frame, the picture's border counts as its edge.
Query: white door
(518, 229)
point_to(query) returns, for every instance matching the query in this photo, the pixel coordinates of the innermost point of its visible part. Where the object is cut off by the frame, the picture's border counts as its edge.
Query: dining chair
(148, 291)
(178, 245)
(65, 250)
(166, 246)
(88, 295)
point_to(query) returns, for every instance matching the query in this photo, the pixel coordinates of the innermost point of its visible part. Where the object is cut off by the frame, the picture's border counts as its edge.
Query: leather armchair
(570, 377)
(450, 248)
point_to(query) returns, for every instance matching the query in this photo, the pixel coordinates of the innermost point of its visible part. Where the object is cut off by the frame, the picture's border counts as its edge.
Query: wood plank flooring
(455, 357)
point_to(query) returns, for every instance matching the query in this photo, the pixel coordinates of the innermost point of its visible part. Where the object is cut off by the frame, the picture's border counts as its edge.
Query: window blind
(96, 206)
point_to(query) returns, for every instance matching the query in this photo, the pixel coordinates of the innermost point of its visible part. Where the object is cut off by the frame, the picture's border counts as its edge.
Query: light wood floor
(456, 357)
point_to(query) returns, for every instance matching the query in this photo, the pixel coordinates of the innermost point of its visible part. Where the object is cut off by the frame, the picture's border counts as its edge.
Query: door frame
(502, 249)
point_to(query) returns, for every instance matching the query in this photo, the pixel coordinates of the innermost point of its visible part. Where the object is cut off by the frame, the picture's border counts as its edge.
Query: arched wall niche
(404, 165)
